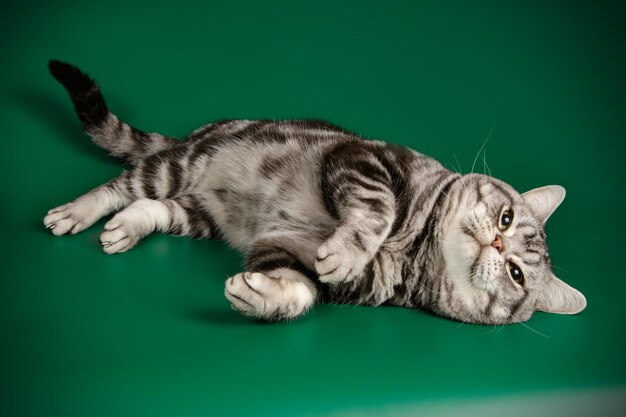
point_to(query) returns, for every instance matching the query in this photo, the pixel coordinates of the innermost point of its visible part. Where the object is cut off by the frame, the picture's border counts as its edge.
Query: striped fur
(107, 131)
(322, 215)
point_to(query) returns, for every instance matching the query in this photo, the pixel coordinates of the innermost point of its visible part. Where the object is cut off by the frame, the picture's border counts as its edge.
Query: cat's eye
(506, 219)
(516, 273)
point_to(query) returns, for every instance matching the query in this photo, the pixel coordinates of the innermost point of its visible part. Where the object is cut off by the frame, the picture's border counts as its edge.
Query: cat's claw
(119, 236)
(68, 218)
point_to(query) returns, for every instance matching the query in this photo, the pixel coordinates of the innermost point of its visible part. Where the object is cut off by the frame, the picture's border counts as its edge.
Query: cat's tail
(107, 131)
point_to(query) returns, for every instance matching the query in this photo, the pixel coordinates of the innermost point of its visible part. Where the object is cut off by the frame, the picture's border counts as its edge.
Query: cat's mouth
(482, 260)
(486, 267)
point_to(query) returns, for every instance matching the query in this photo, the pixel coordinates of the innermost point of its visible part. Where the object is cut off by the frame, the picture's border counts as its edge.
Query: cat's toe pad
(336, 262)
(247, 293)
(119, 235)
(68, 218)
(253, 293)
(257, 295)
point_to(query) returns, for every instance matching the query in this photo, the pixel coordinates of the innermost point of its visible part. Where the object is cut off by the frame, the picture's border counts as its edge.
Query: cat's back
(248, 154)
(267, 131)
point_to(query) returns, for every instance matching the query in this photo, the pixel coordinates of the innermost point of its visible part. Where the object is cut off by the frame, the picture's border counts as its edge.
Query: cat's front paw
(337, 261)
(69, 218)
(120, 234)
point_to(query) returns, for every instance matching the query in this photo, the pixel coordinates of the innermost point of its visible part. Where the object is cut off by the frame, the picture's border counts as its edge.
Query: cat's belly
(260, 191)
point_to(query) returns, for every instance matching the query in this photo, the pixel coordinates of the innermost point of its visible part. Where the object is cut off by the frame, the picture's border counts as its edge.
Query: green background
(149, 332)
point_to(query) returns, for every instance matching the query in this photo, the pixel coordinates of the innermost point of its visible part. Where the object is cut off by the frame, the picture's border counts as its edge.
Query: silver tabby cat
(323, 215)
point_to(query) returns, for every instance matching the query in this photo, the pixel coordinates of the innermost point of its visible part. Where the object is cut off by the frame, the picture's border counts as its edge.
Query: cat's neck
(423, 257)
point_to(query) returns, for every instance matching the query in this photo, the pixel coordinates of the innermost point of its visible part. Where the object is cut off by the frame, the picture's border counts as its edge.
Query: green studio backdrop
(149, 332)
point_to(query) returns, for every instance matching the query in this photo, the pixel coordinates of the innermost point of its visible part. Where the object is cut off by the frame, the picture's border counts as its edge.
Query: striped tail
(107, 131)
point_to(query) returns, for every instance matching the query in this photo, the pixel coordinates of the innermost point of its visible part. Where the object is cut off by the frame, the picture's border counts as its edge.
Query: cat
(323, 215)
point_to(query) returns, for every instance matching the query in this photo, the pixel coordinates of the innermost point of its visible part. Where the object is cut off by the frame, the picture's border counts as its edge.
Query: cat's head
(496, 263)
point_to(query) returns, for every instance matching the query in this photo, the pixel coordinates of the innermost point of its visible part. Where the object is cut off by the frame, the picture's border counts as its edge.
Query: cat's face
(496, 263)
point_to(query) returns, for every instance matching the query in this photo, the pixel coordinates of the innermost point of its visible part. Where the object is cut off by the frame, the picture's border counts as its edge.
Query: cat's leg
(357, 190)
(87, 209)
(183, 216)
(276, 287)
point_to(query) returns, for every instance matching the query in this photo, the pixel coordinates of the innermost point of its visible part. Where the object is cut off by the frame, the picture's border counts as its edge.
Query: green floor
(149, 332)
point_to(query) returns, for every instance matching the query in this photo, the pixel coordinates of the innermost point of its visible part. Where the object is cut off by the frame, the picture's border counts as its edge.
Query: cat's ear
(544, 200)
(558, 297)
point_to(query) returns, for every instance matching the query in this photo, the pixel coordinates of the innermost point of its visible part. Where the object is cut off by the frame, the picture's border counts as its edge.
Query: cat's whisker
(525, 325)
(459, 171)
(559, 268)
(428, 289)
(440, 188)
(486, 169)
(536, 331)
(481, 148)
(457, 163)
(495, 326)
(485, 162)
(460, 324)
(472, 280)
(493, 330)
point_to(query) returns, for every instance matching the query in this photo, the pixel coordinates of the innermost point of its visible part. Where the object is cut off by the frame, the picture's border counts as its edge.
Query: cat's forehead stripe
(503, 191)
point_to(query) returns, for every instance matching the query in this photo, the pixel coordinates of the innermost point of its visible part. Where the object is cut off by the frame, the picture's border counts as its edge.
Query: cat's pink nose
(497, 243)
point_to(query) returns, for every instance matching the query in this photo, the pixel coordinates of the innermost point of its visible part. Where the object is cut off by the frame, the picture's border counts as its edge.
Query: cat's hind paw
(247, 293)
(257, 295)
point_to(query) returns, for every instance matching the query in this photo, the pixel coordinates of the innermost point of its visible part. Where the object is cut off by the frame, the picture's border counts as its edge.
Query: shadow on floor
(53, 112)
(218, 317)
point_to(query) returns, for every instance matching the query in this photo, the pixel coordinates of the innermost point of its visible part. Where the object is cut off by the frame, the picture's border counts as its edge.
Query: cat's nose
(497, 243)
